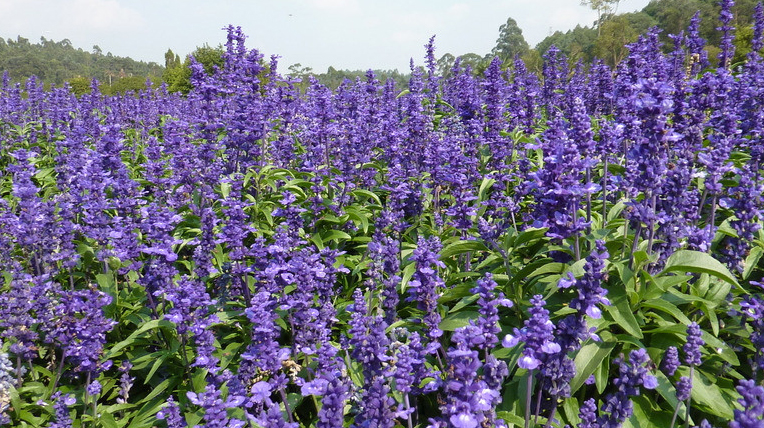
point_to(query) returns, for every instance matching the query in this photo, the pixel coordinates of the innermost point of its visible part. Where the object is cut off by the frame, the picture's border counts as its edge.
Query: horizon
(344, 34)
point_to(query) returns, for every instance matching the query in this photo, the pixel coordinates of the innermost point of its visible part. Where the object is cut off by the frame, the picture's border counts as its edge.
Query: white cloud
(459, 10)
(67, 18)
(104, 14)
(568, 16)
(406, 36)
(335, 5)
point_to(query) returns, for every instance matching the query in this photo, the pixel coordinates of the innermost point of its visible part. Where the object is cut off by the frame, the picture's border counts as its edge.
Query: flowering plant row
(575, 249)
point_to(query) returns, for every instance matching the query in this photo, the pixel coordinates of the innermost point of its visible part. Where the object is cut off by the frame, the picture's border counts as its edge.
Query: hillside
(58, 62)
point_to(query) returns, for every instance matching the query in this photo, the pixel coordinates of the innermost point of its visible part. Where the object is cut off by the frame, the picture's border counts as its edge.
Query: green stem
(408, 413)
(577, 243)
(538, 407)
(689, 399)
(18, 370)
(60, 370)
(676, 412)
(528, 394)
(552, 413)
(634, 245)
(286, 404)
(604, 194)
(588, 201)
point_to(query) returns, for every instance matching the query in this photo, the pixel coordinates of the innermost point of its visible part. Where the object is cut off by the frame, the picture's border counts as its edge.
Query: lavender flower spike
(752, 401)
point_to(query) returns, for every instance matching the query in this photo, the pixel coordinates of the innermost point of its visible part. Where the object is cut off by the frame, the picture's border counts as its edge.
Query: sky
(345, 34)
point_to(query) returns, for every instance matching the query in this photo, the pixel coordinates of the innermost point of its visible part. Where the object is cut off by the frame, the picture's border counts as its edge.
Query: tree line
(606, 38)
(56, 62)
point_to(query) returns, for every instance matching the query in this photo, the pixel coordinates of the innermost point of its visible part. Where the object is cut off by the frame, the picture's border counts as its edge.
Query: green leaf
(529, 235)
(105, 283)
(698, 262)
(666, 282)
(149, 325)
(708, 394)
(602, 377)
(456, 320)
(588, 359)
(571, 409)
(366, 193)
(486, 184)
(146, 415)
(616, 210)
(530, 270)
(645, 415)
(511, 418)
(665, 388)
(335, 235)
(294, 399)
(358, 217)
(752, 261)
(620, 310)
(159, 362)
(106, 420)
(461, 247)
(713, 344)
(665, 306)
(464, 302)
(549, 268)
(406, 275)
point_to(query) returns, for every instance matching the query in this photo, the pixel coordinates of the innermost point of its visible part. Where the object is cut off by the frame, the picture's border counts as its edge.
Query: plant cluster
(580, 249)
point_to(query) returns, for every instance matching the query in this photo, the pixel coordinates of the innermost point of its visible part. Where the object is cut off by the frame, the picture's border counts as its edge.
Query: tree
(445, 64)
(615, 35)
(122, 85)
(299, 71)
(576, 44)
(80, 85)
(604, 9)
(475, 62)
(510, 42)
(171, 59)
(178, 77)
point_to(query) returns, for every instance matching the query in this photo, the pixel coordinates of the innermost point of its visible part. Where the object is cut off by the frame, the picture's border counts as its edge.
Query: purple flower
(7, 381)
(683, 388)
(80, 328)
(752, 314)
(333, 402)
(425, 287)
(376, 406)
(589, 287)
(537, 334)
(696, 45)
(171, 414)
(488, 304)
(94, 388)
(588, 414)
(469, 400)
(670, 361)
(61, 418)
(369, 345)
(215, 408)
(264, 352)
(125, 382)
(271, 417)
(18, 315)
(633, 375)
(728, 33)
(752, 401)
(692, 347)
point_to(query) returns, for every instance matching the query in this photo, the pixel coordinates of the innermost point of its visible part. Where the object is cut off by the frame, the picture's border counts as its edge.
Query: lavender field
(578, 248)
